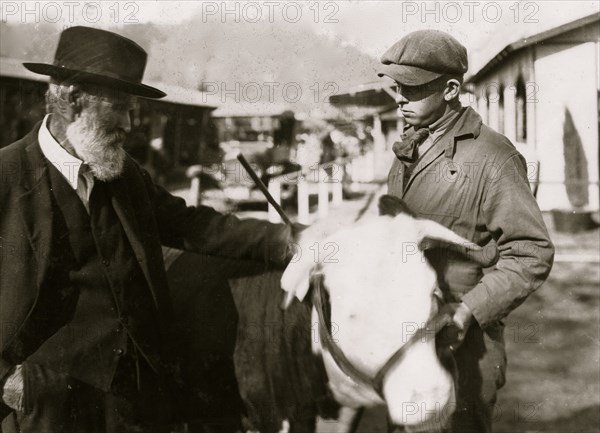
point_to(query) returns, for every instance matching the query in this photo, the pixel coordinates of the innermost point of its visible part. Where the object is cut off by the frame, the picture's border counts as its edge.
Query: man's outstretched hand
(297, 228)
(292, 246)
(12, 389)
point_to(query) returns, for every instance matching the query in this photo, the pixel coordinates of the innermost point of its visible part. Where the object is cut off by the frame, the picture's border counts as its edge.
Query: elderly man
(453, 169)
(84, 304)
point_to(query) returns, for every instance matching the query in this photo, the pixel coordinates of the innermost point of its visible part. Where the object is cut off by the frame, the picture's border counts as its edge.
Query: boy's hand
(453, 335)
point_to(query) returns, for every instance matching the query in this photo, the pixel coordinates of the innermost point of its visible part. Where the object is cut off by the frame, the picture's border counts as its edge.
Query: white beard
(102, 152)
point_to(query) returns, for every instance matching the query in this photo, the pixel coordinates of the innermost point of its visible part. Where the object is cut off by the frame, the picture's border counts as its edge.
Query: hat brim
(408, 75)
(137, 89)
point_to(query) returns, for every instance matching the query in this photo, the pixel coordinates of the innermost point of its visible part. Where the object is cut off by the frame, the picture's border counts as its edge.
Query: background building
(542, 93)
(168, 134)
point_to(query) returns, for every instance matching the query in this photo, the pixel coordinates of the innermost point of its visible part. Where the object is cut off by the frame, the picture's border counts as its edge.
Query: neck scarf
(407, 150)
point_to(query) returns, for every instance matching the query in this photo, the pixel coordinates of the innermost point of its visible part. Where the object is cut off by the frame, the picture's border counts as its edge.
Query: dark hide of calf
(242, 339)
(279, 376)
(205, 333)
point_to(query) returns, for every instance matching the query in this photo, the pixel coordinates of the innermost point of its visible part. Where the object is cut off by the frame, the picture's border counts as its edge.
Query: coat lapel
(467, 125)
(37, 211)
(35, 203)
(122, 202)
(431, 156)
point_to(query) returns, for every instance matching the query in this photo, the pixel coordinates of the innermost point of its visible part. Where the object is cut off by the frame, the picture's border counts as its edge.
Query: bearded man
(84, 303)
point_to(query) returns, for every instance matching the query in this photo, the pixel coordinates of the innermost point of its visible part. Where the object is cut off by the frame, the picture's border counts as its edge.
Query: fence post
(303, 211)
(194, 197)
(323, 193)
(275, 190)
(369, 166)
(354, 169)
(337, 188)
(194, 172)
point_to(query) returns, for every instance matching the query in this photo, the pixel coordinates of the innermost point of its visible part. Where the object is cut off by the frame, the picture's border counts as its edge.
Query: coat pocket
(440, 191)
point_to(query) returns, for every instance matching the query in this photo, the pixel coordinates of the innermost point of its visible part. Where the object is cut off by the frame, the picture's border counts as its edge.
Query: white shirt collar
(66, 163)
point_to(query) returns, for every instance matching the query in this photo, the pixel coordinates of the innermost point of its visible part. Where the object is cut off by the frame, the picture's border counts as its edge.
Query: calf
(381, 296)
(245, 363)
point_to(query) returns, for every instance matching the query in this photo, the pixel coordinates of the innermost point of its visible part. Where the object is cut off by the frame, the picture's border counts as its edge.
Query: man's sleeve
(5, 369)
(204, 230)
(526, 252)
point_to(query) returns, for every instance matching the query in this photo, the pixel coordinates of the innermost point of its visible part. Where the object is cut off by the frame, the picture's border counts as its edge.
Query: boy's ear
(452, 89)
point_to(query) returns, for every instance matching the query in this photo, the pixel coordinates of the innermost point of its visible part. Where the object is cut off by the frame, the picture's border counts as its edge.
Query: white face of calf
(381, 289)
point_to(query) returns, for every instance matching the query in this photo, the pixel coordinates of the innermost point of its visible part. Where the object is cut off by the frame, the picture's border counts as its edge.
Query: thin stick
(259, 183)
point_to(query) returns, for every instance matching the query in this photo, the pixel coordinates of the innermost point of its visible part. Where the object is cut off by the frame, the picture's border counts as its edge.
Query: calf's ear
(392, 206)
(434, 235)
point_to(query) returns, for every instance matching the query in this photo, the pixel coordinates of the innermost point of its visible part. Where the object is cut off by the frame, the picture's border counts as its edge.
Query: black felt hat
(88, 55)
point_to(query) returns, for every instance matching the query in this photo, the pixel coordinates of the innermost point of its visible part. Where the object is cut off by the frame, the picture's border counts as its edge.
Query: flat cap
(423, 56)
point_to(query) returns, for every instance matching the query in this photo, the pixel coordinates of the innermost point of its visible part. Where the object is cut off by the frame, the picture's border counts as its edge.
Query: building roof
(533, 40)
(251, 109)
(375, 94)
(13, 68)
(185, 96)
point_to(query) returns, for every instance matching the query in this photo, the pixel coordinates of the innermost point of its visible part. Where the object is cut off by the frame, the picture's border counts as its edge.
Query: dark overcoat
(473, 181)
(36, 295)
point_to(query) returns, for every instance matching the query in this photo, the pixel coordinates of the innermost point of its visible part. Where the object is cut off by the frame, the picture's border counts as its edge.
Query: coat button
(119, 352)
(105, 262)
(119, 328)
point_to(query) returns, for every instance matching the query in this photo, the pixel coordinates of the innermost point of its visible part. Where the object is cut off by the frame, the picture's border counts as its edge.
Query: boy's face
(422, 105)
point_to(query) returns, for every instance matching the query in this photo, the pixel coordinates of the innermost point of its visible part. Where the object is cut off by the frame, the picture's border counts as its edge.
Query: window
(521, 111)
(500, 99)
(487, 105)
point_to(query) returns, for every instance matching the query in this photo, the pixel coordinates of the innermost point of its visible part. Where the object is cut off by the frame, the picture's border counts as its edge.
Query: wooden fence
(326, 181)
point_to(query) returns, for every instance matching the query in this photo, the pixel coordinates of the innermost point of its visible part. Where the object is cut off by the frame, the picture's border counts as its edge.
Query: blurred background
(292, 85)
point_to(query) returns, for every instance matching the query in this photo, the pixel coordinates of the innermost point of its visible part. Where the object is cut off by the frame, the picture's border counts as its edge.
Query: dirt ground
(553, 347)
